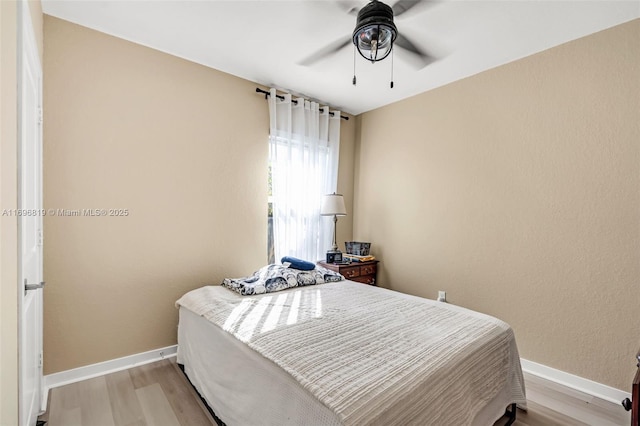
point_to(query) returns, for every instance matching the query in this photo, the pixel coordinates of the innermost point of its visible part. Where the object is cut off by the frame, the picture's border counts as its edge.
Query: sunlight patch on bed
(318, 304)
(293, 311)
(252, 319)
(274, 314)
(235, 315)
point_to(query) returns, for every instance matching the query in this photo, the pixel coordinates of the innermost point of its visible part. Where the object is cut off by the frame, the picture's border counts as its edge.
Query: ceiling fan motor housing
(375, 31)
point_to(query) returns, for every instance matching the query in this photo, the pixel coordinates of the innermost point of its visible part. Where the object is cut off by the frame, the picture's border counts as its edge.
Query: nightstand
(362, 272)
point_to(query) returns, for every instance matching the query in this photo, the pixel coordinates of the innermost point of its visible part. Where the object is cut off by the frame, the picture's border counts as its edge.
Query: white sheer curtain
(304, 143)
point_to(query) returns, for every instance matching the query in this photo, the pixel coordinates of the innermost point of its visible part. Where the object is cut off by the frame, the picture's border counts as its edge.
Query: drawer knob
(626, 403)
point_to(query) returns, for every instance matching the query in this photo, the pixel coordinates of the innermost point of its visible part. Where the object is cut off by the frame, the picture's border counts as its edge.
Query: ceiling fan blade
(350, 7)
(406, 44)
(403, 6)
(325, 51)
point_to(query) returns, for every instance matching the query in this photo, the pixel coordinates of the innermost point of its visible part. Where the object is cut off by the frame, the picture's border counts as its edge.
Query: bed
(344, 353)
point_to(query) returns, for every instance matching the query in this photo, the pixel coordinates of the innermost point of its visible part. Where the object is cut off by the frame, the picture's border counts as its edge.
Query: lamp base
(334, 256)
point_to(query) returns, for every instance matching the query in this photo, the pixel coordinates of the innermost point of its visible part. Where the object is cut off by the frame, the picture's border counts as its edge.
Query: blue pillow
(300, 264)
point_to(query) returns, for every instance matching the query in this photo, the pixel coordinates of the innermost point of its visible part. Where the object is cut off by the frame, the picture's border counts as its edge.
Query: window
(271, 254)
(303, 166)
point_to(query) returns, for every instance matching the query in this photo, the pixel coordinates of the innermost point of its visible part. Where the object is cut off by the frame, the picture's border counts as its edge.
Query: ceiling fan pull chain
(354, 64)
(391, 69)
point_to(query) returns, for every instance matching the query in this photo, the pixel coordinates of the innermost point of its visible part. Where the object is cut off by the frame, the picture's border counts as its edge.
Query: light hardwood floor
(158, 394)
(148, 395)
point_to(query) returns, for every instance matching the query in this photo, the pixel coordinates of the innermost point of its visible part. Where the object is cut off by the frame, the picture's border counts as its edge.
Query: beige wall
(348, 129)
(518, 192)
(8, 200)
(184, 148)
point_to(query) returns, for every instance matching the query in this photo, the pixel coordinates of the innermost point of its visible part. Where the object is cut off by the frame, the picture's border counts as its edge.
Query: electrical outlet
(442, 296)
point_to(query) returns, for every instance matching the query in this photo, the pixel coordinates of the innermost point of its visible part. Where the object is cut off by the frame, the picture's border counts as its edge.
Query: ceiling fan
(379, 12)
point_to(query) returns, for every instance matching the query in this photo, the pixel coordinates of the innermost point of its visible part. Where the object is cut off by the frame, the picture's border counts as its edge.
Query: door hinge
(40, 238)
(40, 115)
(40, 360)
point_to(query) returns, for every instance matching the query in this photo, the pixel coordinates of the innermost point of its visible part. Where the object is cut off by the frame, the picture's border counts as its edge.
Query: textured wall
(184, 149)
(518, 192)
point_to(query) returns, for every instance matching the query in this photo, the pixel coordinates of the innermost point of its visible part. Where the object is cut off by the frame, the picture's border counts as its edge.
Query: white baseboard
(100, 369)
(562, 378)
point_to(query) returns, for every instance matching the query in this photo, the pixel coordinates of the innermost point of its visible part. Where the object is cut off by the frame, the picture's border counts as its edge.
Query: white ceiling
(263, 41)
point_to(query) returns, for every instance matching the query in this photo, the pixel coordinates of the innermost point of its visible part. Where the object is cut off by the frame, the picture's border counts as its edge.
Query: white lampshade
(333, 204)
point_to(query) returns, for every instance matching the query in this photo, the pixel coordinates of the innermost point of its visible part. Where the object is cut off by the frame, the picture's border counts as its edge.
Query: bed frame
(510, 414)
(633, 405)
(204, 401)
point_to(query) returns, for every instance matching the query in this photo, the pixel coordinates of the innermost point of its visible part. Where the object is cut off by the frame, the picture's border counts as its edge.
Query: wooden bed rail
(633, 405)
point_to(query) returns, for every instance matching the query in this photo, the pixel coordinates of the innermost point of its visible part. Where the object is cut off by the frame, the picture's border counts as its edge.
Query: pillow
(267, 279)
(296, 263)
(272, 278)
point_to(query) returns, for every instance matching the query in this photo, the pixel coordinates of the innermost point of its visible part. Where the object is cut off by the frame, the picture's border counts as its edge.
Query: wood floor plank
(198, 407)
(55, 413)
(94, 402)
(124, 401)
(62, 399)
(538, 415)
(176, 390)
(69, 396)
(70, 417)
(146, 374)
(156, 407)
(184, 404)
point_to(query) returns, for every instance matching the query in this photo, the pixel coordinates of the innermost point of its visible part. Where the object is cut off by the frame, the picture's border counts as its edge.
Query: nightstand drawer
(368, 279)
(368, 269)
(351, 271)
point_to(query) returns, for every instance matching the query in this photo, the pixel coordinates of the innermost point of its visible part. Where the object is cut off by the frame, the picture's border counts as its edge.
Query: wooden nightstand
(362, 272)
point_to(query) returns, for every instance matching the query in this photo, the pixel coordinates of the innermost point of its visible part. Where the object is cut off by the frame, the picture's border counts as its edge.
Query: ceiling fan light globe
(380, 34)
(375, 42)
(375, 31)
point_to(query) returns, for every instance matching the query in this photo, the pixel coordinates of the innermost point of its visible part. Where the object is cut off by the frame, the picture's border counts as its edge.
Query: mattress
(237, 369)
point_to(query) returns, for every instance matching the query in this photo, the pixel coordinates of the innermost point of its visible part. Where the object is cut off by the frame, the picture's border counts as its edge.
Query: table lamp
(333, 205)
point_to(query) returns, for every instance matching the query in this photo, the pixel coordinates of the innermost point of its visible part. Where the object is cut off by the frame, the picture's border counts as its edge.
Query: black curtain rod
(259, 90)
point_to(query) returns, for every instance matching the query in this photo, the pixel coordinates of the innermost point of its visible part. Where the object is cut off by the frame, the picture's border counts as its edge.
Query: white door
(29, 220)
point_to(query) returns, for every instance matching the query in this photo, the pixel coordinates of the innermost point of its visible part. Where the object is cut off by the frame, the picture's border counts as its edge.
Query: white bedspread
(374, 356)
